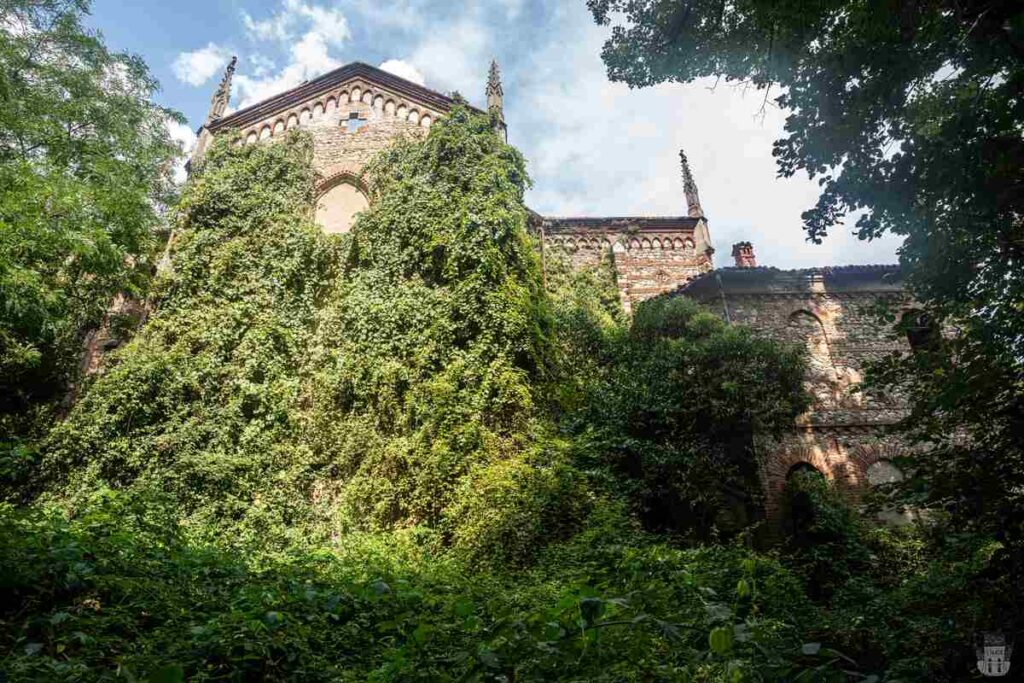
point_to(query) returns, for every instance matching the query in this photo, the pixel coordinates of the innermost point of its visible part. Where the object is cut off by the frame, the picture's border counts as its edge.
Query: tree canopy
(909, 115)
(85, 161)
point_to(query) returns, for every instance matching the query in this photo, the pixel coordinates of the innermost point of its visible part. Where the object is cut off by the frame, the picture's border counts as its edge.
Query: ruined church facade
(357, 110)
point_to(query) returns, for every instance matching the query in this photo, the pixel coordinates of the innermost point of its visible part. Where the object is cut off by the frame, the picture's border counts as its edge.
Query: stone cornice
(619, 224)
(330, 80)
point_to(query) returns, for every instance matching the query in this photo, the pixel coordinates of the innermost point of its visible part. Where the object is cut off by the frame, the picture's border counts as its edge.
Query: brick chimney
(743, 252)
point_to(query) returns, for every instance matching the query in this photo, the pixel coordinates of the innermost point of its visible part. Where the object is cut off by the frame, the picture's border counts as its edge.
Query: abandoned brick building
(356, 110)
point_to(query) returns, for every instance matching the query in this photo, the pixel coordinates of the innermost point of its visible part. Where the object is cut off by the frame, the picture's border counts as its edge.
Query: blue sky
(593, 147)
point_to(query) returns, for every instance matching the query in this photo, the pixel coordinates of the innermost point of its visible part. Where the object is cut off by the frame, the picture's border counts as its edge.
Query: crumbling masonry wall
(832, 312)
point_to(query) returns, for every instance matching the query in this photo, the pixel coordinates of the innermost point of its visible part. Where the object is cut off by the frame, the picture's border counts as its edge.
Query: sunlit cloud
(198, 66)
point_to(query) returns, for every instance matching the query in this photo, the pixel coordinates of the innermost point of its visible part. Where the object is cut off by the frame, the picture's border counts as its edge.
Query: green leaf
(553, 631)
(173, 673)
(720, 640)
(422, 633)
(463, 607)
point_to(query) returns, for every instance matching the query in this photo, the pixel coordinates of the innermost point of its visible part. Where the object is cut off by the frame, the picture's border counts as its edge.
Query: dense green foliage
(372, 420)
(668, 412)
(396, 454)
(910, 115)
(84, 163)
(117, 592)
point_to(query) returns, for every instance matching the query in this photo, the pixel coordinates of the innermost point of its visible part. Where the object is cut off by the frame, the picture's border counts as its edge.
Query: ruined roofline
(878, 268)
(310, 89)
(770, 280)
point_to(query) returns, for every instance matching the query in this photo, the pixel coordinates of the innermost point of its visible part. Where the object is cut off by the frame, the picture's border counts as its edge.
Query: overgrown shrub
(118, 592)
(667, 408)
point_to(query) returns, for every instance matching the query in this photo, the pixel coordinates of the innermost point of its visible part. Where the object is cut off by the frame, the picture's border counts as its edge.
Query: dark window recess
(922, 332)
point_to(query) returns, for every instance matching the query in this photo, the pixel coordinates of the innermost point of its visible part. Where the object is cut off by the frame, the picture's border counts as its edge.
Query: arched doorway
(798, 505)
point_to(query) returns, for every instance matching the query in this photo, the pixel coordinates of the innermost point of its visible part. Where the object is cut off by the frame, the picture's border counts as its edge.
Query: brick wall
(832, 314)
(651, 256)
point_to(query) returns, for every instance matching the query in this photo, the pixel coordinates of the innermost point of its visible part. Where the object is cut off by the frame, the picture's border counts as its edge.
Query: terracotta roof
(310, 89)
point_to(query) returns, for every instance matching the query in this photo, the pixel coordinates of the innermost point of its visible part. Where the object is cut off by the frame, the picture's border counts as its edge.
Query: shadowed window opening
(922, 332)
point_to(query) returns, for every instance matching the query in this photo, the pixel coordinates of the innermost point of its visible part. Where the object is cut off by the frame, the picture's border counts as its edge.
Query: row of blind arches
(571, 244)
(388, 106)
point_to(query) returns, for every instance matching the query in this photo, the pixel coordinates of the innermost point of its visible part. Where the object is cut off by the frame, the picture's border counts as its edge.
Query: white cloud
(512, 7)
(185, 137)
(455, 56)
(600, 148)
(404, 70)
(296, 17)
(261, 65)
(196, 67)
(309, 32)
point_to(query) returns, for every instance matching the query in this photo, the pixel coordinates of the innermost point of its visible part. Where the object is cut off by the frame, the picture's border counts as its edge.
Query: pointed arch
(339, 198)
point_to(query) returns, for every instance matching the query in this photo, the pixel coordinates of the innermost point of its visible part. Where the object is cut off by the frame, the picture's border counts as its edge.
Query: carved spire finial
(693, 208)
(219, 103)
(495, 95)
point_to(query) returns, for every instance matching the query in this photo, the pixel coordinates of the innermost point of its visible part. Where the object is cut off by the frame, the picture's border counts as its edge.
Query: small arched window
(883, 472)
(802, 468)
(806, 327)
(921, 330)
(799, 508)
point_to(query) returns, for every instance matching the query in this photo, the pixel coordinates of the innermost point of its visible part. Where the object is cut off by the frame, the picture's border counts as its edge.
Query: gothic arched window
(337, 207)
(806, 327)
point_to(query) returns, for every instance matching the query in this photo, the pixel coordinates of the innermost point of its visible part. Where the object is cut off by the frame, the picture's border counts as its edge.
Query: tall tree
(910, 112)
(85, 162)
